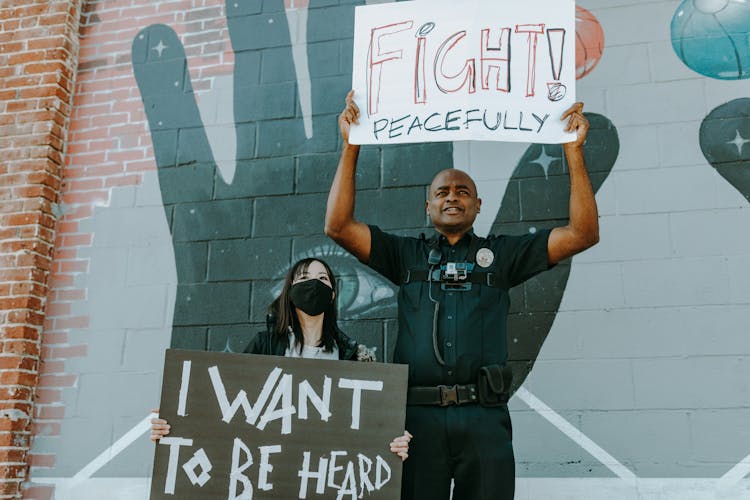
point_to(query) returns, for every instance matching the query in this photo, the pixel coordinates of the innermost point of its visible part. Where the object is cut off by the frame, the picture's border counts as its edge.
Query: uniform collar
(441, 239)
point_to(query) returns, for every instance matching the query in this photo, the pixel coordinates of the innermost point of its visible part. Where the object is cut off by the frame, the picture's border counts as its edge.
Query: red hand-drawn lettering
(454, 72)
(377, 58)
(495, 60)
(466, 75)
(534, 30)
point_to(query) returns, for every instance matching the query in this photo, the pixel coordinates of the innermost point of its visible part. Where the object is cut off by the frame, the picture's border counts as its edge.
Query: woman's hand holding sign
(159, 427)
(400, 445)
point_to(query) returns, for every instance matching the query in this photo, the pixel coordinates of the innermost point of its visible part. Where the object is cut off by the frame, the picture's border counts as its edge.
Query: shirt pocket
(411, 294)
(489, 296)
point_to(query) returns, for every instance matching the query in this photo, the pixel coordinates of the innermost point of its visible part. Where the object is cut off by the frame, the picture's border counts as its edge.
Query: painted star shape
(738, 141)
(545, 161)
(160, 47)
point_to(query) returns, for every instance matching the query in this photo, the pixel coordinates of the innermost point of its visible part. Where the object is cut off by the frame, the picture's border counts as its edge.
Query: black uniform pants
(469, 443)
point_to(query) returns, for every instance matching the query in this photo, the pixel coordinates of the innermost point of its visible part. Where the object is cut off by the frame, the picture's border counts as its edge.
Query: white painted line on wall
(735, 474)
(617, 489)
(575, 434)
(111, 488)
(727, 482)
(731, 486)
(296, 18)
(107, 455)
(217, 114)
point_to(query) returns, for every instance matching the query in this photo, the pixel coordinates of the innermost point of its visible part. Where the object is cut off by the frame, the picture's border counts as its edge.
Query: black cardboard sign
(246, 427)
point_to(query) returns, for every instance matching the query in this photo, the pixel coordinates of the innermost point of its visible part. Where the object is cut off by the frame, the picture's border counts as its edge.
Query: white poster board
(444, 70)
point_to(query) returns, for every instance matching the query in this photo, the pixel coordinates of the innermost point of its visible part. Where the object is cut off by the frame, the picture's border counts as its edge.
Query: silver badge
(485, 257)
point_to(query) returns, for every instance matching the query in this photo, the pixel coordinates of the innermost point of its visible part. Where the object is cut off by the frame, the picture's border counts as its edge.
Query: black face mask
(311, 296)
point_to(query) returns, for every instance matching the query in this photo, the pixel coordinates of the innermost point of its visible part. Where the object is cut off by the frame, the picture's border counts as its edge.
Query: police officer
(453, 305)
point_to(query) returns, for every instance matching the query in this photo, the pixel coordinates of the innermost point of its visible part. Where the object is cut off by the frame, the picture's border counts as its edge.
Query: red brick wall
(38, 53)
(108, 146)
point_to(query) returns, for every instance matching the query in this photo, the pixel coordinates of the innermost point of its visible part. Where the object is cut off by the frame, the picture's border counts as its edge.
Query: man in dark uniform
(453, 305)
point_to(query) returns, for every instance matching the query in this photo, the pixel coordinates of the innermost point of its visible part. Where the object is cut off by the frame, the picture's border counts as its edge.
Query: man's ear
(479, 204)
(427, 207)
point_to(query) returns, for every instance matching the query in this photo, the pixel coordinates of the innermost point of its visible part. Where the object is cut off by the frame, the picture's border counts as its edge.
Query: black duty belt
(443, 395)
(478, 277)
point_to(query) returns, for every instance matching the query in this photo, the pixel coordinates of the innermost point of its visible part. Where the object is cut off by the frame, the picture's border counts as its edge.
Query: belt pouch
(494, 385)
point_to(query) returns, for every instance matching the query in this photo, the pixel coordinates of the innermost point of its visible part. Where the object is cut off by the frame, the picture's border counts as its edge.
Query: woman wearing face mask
(302, 323)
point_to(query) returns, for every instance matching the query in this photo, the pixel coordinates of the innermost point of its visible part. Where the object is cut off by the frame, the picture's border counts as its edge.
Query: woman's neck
(312, 327)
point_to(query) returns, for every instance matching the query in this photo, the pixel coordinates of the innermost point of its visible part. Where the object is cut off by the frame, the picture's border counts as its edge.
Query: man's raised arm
(341, 226)
(582, 230)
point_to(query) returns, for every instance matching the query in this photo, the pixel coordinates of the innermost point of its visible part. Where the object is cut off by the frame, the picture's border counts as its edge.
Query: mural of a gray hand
(231, 238)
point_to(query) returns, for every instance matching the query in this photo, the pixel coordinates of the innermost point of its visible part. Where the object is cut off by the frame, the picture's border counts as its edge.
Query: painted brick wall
(108, 147)
(118, 301)
(193, 181)
(38, 56)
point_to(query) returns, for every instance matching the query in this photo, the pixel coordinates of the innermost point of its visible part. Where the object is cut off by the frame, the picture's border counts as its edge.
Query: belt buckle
(448, 395)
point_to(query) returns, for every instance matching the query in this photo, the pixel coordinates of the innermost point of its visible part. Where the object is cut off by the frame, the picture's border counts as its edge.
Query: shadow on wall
(234, 240)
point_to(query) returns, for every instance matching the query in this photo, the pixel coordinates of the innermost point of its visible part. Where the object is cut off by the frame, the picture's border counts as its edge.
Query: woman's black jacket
(276, 345)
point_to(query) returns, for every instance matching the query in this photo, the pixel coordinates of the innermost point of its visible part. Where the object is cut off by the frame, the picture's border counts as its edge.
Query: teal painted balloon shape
(712, 37)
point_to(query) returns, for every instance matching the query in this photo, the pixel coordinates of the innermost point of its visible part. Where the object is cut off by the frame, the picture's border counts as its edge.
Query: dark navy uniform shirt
(471, 324)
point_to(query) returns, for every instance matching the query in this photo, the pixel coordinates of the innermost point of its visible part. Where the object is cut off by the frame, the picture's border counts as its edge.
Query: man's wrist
(573, 154)
(572, 146)
(354, 148)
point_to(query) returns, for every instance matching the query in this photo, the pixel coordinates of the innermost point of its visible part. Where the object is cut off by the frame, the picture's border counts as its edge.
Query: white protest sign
(491, 70)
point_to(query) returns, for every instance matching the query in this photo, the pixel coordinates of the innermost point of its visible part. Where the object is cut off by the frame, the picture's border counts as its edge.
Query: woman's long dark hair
(285, 316)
